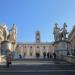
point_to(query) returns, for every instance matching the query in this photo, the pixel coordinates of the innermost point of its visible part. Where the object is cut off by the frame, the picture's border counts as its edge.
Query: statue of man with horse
(60, 34)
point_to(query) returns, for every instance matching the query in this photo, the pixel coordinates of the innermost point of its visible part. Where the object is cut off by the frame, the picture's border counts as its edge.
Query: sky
(32, 15)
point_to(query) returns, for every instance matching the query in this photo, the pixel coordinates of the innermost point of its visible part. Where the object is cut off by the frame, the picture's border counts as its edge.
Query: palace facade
(30, 50)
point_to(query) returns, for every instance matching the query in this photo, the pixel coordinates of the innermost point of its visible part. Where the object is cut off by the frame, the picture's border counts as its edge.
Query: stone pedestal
(2, 59)
(5, 47)
(62, 47)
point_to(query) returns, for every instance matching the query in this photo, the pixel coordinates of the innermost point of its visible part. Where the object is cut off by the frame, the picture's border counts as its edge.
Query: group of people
(49, 55)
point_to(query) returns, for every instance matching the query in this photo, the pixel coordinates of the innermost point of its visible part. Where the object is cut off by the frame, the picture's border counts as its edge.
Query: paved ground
(38, 67)
(36, 62)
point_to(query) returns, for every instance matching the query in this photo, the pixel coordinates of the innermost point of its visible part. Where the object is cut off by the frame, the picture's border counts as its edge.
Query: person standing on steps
(8, 60)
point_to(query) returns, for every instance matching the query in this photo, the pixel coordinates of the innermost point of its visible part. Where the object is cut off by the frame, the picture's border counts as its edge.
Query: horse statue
(60, 34)
(64, 32)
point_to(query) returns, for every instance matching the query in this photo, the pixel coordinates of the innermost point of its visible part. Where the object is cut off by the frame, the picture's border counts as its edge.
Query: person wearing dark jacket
(8, 60)
(44, 55)
(54, 54)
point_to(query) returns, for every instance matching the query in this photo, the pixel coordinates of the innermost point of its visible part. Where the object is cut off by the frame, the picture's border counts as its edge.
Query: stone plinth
(2, 59)
(5, 47)
(62, 47)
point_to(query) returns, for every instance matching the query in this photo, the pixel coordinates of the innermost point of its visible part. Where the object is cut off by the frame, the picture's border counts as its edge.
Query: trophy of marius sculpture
(9, 43)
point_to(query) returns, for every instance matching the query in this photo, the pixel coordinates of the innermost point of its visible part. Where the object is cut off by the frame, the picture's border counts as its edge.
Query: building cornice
(34, 43)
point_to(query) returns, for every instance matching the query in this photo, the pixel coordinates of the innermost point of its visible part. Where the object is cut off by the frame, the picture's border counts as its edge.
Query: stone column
(34, 51)
(41, 51)
(28, 52)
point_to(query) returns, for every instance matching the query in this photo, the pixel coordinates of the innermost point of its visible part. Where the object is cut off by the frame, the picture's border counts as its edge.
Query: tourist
(8, 60)
(54, 54)
(20, 56)
(44, 54)
(48, 55)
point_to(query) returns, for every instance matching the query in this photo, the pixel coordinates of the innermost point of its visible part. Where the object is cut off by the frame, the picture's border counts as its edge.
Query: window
(44, 47)
(38, 39)
(37, 46)
(30, 46)
(25, 46)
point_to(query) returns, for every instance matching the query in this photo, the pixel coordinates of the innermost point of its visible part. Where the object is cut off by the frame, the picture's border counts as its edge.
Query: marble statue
(56, 32)
(5, 33)
(12, 34)
(60, 34)
(64, 32)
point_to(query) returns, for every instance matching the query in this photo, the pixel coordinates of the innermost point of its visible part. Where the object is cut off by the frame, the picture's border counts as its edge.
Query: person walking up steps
(8, 60)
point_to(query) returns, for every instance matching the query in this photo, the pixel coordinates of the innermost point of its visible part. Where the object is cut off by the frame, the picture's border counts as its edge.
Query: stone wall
(69, 58)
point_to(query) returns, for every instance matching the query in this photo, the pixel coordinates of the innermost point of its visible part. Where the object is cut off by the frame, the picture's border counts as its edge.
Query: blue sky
(32, 15)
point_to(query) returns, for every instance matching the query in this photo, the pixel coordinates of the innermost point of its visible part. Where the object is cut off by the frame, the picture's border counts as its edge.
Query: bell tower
(37, 37)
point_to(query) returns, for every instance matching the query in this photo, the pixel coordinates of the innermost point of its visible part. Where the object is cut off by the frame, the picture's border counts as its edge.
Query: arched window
(30, 46)
(43, 47)
(25, 47)
(37, 46)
